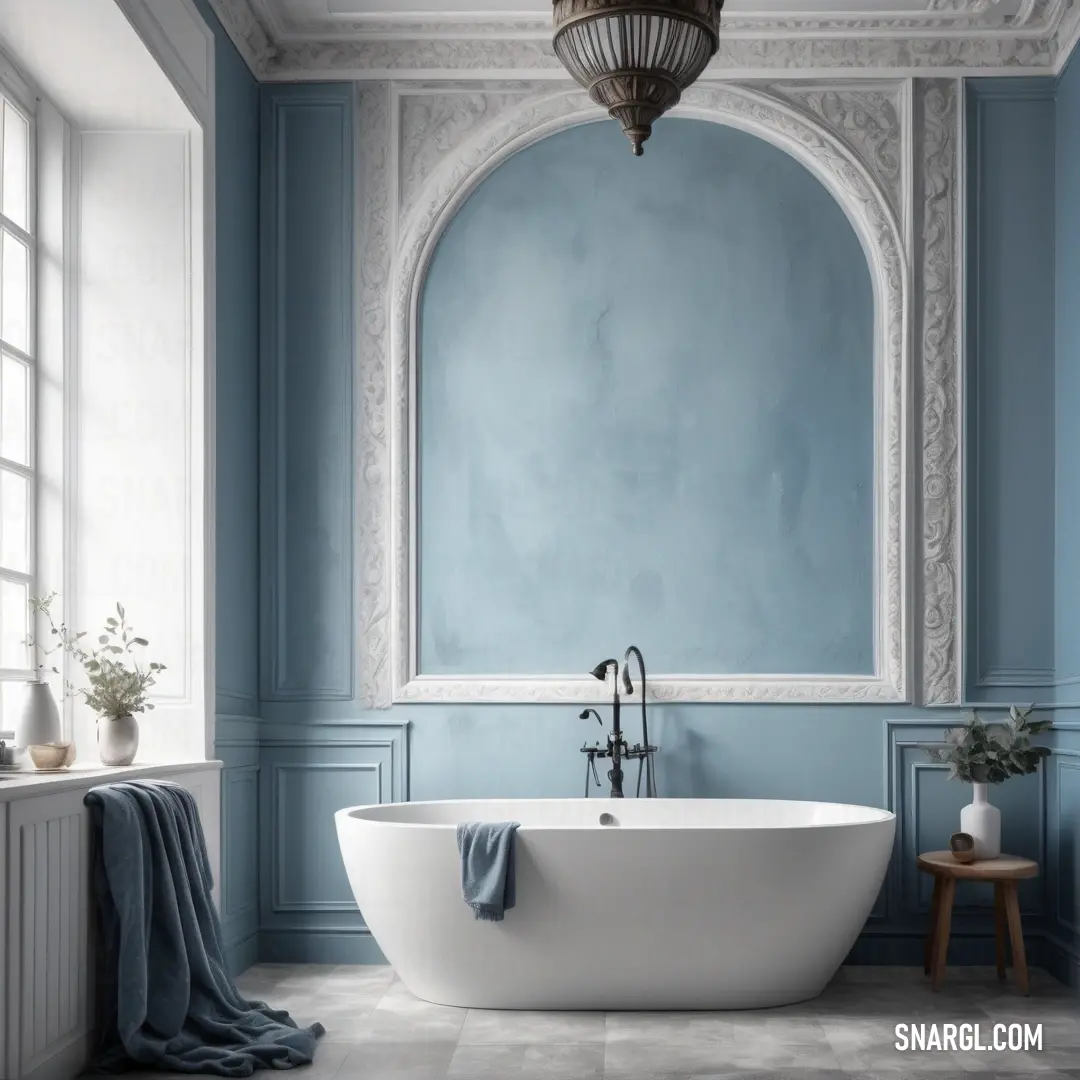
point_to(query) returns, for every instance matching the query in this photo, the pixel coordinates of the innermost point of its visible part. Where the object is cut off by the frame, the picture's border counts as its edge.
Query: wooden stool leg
(999, 927)
(1016, 936)
(941, 931)
(931, 930)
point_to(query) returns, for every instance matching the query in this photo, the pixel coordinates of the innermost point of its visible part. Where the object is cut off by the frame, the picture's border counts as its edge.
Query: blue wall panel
(1063, 801)
(1011, 388)
(307, 405)
(237, 488)
(1067, 386)
(238, 749)
(308, 772)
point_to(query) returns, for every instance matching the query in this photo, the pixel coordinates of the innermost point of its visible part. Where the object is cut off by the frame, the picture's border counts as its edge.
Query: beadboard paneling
(50, 945)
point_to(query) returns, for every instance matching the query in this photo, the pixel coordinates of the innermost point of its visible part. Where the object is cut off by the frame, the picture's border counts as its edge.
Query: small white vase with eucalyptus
(118, 739)
(119, 685)
(982, 754)
(981, 820)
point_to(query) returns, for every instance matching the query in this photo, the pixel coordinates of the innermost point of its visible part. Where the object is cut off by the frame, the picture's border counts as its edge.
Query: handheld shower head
(601, 669)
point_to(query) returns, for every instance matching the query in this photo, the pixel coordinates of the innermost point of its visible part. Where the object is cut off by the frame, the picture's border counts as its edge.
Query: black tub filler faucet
(617, 748)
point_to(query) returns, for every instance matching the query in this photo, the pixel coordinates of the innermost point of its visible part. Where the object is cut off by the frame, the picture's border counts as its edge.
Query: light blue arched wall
(646, 414)
(316, 746)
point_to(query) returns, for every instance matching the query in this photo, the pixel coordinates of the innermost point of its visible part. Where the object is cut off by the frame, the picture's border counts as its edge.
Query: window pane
(14, 625)
(14, 410)
(16, 167)
(14, 522)
(15, 292)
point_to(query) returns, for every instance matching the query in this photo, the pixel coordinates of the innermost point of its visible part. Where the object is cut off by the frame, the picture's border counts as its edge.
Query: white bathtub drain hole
(607, 819)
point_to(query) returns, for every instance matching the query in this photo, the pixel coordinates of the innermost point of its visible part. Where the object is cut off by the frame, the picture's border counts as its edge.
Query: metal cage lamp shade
(636, 57)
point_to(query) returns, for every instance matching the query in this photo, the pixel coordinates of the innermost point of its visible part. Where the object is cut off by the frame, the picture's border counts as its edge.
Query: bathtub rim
(875, 816)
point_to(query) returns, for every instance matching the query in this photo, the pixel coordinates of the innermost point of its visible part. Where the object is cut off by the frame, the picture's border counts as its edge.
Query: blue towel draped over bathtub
(166, 996)
(487, 867)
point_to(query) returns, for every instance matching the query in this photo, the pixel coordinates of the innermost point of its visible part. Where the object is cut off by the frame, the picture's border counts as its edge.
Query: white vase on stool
(982, 822)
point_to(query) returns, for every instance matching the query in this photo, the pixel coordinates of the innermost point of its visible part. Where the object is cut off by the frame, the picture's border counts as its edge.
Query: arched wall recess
(393, 256)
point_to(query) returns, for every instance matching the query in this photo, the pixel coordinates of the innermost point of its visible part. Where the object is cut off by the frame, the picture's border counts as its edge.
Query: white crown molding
(451, 138)
(312, 20)
(1066, 36)
(246, 32)
(951, 37)
(492, 59)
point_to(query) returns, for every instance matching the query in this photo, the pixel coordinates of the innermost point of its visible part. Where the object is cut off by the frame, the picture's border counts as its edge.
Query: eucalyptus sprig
(981, 753)
(115, 688)
(119, 685)
(63, 639)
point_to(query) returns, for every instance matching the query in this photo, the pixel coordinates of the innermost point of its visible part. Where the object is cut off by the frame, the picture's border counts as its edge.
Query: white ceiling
(336, 19)
(98, 47)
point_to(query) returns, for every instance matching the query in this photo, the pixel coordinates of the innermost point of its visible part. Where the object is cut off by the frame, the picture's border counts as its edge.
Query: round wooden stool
(1004, 871)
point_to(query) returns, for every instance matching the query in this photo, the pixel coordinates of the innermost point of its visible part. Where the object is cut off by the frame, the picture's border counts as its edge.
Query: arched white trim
(866, 206)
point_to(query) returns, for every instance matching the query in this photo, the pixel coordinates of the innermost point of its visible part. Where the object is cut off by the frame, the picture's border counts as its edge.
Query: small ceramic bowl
(962, 847)
(54, 755)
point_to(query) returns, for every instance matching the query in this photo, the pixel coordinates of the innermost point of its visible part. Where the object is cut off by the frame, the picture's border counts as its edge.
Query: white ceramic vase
(982, 822)
(38, 719)
(118, 740)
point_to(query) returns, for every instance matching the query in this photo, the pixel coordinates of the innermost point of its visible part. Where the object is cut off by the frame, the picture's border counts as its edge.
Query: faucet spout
(647, 750)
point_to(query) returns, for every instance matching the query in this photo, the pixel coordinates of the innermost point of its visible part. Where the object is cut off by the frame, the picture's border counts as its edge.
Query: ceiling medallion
(636, 57)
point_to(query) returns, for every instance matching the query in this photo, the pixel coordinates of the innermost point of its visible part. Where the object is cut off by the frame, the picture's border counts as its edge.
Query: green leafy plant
(119, 685)
(115, 688)
(63, 640)
(981, 753)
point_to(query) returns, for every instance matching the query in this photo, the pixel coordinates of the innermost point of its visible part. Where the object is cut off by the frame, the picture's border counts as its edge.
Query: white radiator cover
(48, 928)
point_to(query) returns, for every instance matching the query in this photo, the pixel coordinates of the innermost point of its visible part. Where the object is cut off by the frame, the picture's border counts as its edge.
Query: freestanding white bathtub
(675, 904)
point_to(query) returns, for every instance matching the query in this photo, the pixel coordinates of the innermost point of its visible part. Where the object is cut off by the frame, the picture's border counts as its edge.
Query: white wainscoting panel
(50, 935)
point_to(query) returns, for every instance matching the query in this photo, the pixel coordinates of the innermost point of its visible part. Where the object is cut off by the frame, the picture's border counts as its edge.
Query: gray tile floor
(377, 1030)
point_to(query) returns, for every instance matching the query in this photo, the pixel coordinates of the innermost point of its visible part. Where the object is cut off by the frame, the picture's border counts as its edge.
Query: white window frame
(20, 95)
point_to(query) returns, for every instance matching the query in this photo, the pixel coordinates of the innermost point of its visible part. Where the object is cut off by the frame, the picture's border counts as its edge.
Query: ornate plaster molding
(869, 118)
(311, 20)
(938, 289)
(738, 58)
(433, 122)
(375, 209)
(476, 137)
(247, 33)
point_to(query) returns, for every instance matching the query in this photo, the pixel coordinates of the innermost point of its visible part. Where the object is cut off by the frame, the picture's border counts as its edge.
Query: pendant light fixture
(636, 57)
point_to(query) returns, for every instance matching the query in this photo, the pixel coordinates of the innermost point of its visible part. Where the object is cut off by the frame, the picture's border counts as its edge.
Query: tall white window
(17, 383)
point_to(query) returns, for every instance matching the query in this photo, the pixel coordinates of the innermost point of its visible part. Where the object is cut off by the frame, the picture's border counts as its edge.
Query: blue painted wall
(1067, 386)
(1063, 822)
(237, 602)
(307, 304)
(321, 749)
(646, 412)
(1011, 389)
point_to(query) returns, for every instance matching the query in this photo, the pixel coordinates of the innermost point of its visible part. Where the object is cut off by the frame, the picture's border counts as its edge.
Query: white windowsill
(28, 782)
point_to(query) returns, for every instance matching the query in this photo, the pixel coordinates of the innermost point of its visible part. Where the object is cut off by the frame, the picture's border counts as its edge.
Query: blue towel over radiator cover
(167, 999)
(487, 867)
